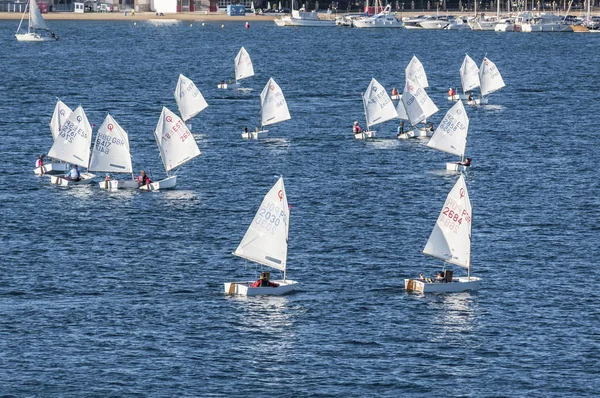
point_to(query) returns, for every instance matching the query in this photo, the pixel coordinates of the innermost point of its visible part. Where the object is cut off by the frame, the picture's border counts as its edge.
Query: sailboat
(490, 79)
(451, 135)
(469, 78)
(450, 241)
(110, 154)
(414, 71)
(415, 106)
(273, 109)
(60, 115)
(176, 145)
(189, 99)
(243, 69)
(35, 25)
(378, 108)
(72, 145)
(266, 243)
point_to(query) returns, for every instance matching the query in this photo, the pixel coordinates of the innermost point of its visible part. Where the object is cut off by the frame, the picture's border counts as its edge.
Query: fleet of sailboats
(273, 109)
(266, 243)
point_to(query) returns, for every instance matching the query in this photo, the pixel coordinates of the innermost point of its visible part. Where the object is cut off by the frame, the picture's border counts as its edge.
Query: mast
(365, 109)
(28, 19)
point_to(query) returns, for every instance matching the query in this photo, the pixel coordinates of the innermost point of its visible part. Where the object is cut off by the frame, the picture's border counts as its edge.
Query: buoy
(222, 26)
(190, 25)
(202, 23)
(135, 23)
(247, 25)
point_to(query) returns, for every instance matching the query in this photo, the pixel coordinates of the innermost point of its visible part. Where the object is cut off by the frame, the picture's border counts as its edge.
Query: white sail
(74, 138)
(417, 103)
(451, 134)
(243, 65)
(490, 77)
(175, 142)
(469, 74)
(60, 115)
(378, 104)
(111, 150)
(273, 108)
(189, 99)
(415, 72)
(266, 240)
(401, 110)
(35, 17)
(450, 239)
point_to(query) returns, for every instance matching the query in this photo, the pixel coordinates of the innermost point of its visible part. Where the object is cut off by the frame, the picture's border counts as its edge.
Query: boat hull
(245, 289)
(457, 97)
(51, 169)
(167, 183)
(113, 185)
(33, 37)
(416, 133)
(455, 167)
(255, 135)
(365, 135)
(86, 178)
(459, 284)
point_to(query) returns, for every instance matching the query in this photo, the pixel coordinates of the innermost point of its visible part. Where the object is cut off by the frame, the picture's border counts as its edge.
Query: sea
(120, 294)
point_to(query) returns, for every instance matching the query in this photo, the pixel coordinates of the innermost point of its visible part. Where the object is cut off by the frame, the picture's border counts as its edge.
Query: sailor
(401, 128)
(143, 179)
(264, 281)
(40, 162)
(73, 174)
(466, 163)
(394, 91)
(451, 93)
(356, 129)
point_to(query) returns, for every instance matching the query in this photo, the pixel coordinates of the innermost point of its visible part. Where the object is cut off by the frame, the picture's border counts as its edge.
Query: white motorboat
(450, 241)
(378, 108)
(111, 154)
(243, 69)
(273, 109)
(384, 19)
(176, 145)
(37, 28)
(435, 23)
(544, 22)
(72, 146)
(266, 243)
(451, 135)
(305, 18)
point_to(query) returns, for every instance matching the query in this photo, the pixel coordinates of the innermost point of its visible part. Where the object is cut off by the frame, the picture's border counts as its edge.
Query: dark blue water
(121, 293)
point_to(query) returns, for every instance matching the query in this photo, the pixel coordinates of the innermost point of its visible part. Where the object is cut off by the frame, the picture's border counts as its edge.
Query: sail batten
(265, 241)
(273, 107)
(243, 65)
(450, 239)
(72, 145)
(111, 149)
(451, 134)
(378, 105)
(175, 142)
(189, 99)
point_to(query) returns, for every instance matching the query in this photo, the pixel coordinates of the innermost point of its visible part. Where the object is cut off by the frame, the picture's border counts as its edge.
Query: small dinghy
(266, 243)
(273, 109)
(243, 70)
(469, 79)
(72, 145)
(451, 136)
(189, 99)
(491, 81)
(176, 145)
(450, 241)
(378, 107)
(416, 107)
(60, 115)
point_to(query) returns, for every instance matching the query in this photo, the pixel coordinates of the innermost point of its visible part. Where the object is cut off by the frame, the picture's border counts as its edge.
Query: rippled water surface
(120, 294)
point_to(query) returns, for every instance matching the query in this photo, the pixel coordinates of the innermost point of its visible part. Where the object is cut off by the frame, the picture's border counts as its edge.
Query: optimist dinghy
(378, 108)
(451, 135)
(273, 109)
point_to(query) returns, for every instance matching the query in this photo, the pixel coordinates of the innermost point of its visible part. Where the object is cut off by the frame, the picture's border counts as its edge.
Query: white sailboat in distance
(111, 154)
(469, 78)
(416, 106)
(266, 243)
(36, 25)
(273, 109)
(490, 80)
(450, 241)
(378, 108)
(451, 135)
(189, 99)
(72, 145)
(60, 115)
(243, 69)
(176, 145)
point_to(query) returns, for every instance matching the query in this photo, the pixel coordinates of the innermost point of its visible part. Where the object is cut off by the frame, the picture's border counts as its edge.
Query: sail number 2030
(269, 217)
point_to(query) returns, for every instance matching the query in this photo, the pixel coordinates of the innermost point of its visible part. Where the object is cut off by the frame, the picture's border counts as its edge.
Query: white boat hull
(167, 183)
(52, 168)
(229, 86)
(458, 284)
(364, 135)
(113, 185)
(457, 97)
(396, 97)
(478, 101)
(255, 135)
(455, 167)
(34, 37)
(245, 289)
(416, 133)
(86, 178)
